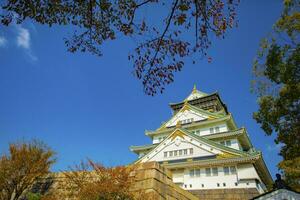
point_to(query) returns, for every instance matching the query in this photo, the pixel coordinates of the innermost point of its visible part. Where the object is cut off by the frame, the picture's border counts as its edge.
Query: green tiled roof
(206, 95)
(195, 124)
(220, 146)
(142, 147)
(206, 112)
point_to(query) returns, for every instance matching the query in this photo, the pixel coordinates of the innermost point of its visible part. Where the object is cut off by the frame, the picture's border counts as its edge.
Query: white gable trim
(200, 148)
(186, 115)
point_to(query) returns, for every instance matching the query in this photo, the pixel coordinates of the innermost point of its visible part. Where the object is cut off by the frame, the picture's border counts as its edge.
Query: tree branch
(165, 31)
(196, 23)
(136, 7)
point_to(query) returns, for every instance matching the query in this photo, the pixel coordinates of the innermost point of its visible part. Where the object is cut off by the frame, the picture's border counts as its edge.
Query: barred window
(215, 171)
(208, 172)
(226, 170)
(165, 154)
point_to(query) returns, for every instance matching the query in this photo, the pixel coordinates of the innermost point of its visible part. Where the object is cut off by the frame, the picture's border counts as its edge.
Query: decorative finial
(178, 124)
(194, 89)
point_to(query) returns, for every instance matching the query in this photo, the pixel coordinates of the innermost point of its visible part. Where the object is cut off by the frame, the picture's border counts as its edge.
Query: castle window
(222, 142)
(232, 169)
(170, 153)
(236, 184)
(226, 170)
(215, 171)
(191, 151)
(208, 172)
(197, 172)
(202, 185)
(175, 153)
(185, 151)
(185, 186)
(192, 173)
(217, 129)
(180, 152)
(218, 184)
(211, 130)
(228, 143)
(224, 184)
(165, 154)
(190, 185)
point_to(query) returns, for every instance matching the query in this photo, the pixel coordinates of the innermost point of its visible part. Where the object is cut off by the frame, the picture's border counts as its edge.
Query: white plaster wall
(200, 149)
(247, 171)
(234, 143)
(187, 114)
(197, 151)
(159, 138)
(210, 182)
(206, 130)
(203, 131)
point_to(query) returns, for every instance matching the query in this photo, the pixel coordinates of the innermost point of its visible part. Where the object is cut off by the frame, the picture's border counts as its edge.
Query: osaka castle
(204, 149)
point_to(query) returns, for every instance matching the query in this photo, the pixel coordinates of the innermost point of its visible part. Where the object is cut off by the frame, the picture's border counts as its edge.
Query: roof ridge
(205, 111)
(214, 143)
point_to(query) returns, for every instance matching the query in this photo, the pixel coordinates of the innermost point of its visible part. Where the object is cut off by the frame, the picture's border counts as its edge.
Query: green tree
(184, 31)
(21, 167)
(277, 84)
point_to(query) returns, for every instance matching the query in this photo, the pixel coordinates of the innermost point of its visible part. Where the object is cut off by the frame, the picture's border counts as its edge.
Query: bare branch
(165, 30)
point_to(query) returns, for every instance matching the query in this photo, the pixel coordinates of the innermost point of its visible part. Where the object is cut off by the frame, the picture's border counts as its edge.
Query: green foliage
(277, 84)
(33, 196)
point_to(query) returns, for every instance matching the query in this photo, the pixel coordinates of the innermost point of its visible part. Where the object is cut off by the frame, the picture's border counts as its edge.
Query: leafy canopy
(25, 163)
(161, 48)
(277, 83)
(93, 181)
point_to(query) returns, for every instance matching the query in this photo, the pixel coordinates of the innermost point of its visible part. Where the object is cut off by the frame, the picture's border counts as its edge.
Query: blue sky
(85, 106)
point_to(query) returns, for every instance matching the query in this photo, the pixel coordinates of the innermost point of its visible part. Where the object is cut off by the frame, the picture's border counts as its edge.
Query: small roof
(187, 106)
(279, 194)
(195, 94)
(142, 148)
(198, 97)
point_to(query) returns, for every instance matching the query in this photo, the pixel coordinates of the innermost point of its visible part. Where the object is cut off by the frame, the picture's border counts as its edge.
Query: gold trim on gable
(177, 133)
(185, 107)
(210, 117)
(225, 155)
(178, 124)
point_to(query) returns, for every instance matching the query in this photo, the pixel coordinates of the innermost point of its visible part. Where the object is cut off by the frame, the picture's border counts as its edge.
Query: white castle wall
(184, 117)
(183, 146)
(201, 132)
(215, 128)
(221, 181)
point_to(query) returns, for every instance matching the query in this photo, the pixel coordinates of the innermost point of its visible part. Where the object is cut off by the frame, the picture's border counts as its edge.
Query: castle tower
(205, 150)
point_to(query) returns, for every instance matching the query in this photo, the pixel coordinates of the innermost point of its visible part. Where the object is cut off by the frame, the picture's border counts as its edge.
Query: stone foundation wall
(224, 194)
(151, 180)
(156, 181)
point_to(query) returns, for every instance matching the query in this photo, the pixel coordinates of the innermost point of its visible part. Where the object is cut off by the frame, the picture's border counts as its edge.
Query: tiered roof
(214, 111)
(211, 102)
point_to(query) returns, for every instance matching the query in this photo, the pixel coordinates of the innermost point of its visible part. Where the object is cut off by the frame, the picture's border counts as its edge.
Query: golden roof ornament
(178, 124)
(194, 89)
